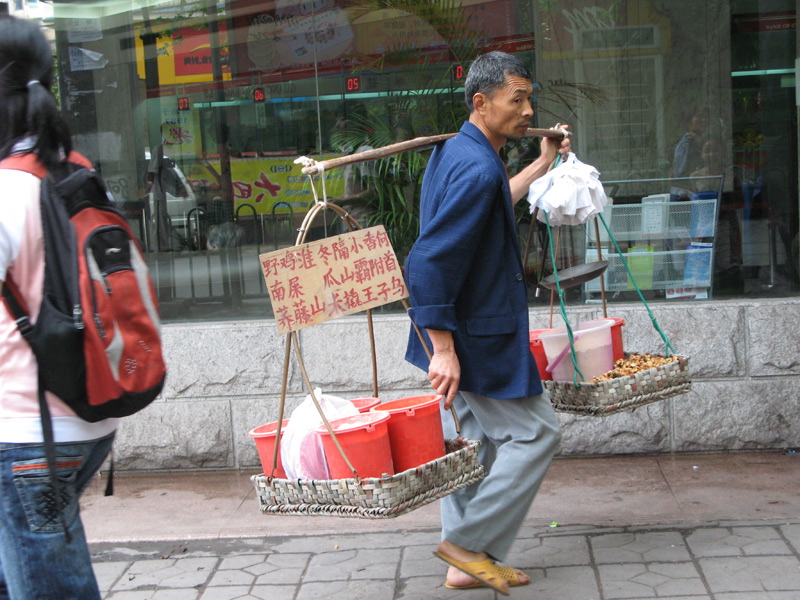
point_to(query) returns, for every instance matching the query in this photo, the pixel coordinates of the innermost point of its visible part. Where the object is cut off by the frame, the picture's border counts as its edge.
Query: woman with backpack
(43, 549)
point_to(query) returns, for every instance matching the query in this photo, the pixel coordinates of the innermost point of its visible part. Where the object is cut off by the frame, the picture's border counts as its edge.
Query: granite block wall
(225, 379)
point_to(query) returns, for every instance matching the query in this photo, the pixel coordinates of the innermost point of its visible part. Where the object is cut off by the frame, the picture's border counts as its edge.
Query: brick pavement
(708, 561)
(682, 527)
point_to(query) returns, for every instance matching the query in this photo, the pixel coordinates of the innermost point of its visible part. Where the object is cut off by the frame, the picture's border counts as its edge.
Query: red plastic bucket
(365, 440)
(538, 353)
(415, 431)
(616, 336)
(364, 405)
(264, 437)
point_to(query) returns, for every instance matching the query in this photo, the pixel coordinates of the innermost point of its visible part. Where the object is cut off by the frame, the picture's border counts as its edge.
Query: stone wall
(225, 379)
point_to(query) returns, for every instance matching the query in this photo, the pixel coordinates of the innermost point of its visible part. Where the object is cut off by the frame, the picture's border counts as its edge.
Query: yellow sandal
(485, 571)
(508, 573)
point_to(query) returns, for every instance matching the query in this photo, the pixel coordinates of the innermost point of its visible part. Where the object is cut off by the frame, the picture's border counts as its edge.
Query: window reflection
(195, 112)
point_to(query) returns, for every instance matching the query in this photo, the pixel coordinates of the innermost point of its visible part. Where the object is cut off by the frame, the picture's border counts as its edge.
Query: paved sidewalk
(718, 527)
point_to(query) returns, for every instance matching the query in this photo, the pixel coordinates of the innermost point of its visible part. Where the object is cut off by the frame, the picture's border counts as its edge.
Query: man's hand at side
(444, 371)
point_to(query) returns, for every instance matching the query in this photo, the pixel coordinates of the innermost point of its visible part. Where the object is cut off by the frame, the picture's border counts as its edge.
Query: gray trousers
(519, 438)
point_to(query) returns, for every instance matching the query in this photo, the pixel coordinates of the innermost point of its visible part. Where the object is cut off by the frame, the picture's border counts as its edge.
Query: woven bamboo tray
(622, 393)
(374, 498)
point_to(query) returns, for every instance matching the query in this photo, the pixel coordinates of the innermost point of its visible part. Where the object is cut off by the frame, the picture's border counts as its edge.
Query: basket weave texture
(622, 393)
(374, 498)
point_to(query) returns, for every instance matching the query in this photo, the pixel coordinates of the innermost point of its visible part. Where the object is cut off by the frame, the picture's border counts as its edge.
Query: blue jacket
(464, 272)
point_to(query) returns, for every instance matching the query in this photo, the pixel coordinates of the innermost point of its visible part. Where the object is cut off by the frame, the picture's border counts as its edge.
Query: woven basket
(374, 498)
(622, 393)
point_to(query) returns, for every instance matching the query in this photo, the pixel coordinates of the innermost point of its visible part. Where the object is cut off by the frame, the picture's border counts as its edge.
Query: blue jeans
(35, 560)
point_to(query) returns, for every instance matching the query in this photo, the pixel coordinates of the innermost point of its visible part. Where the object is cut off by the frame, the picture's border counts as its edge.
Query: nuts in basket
(633, 363)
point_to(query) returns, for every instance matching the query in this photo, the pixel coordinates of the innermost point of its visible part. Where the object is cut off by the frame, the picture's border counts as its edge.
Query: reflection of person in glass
(779, 177)
(728, 237)
(687, 156)
(162, 179)
(711, 157)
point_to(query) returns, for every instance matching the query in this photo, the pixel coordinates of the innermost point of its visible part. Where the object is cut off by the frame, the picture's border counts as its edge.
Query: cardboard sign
(326, 279)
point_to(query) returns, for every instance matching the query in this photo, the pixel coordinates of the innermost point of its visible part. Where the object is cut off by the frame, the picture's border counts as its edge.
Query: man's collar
(471, 130)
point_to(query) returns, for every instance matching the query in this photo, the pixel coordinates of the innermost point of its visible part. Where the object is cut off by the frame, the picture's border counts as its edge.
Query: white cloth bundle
(570, 194)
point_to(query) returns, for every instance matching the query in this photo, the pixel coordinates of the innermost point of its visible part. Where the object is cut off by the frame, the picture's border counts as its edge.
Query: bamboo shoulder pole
(420, 142)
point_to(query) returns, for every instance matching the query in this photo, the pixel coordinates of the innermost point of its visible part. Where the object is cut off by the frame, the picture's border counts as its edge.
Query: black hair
(27, 107)
(488, 73)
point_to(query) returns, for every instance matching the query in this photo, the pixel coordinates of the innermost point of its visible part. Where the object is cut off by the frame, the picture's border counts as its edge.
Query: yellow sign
(180, 131)
(182, 56)
(327, 279)
(261, 184)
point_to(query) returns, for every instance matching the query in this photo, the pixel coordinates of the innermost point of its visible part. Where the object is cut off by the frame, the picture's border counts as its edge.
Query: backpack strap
(50, 456)
(15, 304)
(12, 297)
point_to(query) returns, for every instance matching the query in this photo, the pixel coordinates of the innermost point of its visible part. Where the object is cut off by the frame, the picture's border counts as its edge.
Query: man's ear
(479, 101)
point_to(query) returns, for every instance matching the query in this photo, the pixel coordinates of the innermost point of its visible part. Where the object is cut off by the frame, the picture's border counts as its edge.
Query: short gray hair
(488, 73)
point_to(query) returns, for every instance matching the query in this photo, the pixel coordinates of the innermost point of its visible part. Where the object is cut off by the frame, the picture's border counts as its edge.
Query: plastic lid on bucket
(411, 403)
(365, 404)
(601, 321)
(595, 325)
(366, 421)
(268, 430)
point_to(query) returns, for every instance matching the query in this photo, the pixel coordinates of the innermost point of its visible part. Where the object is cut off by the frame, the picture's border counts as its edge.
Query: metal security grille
(625, 133)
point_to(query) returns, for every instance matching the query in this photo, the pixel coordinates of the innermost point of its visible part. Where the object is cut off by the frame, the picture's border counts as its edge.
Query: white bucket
(593, 350)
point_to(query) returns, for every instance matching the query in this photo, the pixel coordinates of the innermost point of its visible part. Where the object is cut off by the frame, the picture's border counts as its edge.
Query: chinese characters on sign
(331, 278)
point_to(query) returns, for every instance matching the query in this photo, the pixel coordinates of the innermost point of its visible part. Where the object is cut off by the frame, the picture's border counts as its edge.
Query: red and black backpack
(97, 337)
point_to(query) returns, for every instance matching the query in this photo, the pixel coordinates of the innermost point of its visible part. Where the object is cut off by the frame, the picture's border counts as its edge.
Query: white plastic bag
(570, 194)
(301, 447)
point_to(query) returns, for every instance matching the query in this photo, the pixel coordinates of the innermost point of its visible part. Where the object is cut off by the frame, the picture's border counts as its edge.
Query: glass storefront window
(764, 132)
(195, 112)
(695, 91)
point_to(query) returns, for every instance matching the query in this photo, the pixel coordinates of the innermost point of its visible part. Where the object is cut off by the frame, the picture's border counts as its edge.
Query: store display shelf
(655, 270)
(658, 220)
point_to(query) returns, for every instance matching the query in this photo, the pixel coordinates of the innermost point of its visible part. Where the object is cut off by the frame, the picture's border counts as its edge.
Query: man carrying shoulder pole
(469, 297)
